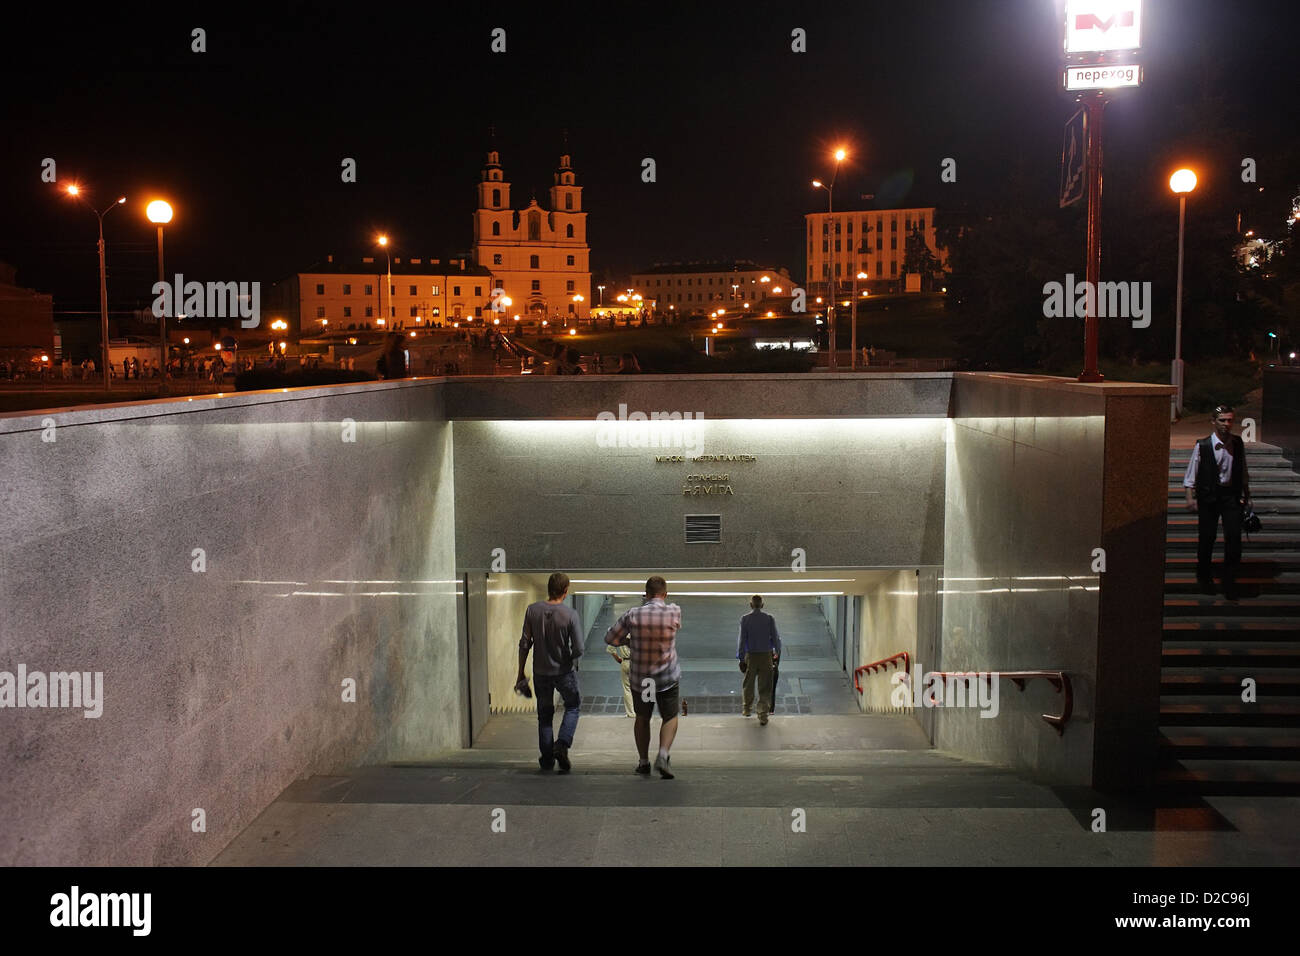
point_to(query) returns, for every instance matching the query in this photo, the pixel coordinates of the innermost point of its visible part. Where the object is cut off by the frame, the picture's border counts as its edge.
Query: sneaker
(664, 766)
(562, 756)
(745, 713)
(643, 767)
(762, 719)
(546, 763)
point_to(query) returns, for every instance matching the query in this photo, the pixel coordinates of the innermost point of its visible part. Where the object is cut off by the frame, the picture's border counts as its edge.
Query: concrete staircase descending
(1212, 741)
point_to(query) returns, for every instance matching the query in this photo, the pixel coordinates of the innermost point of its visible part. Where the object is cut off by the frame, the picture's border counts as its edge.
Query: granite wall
(226, 564)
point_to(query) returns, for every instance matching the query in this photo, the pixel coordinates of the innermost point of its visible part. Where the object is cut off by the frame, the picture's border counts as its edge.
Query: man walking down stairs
(1230, 670)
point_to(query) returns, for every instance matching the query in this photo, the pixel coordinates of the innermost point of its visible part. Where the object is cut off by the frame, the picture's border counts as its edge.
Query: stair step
(1281, 774)
(1228, 709)
(1185, 653)
(1231, 743)
(1184, 582)
(1269, 679)
(1273, 540)
(1255, 562)
(1185, 605)
(1226, 627)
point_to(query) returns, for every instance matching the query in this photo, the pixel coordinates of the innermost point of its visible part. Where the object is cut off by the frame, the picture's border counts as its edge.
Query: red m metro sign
(1095, 26)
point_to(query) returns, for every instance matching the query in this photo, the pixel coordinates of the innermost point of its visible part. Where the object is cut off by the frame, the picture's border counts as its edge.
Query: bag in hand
(1250, 522)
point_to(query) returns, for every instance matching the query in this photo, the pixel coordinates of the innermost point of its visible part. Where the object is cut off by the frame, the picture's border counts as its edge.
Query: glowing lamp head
(382, 240)
(839, 155)
(74, 190)
(817, 184)
(573, 331)
(1182, 181)
(159, 211)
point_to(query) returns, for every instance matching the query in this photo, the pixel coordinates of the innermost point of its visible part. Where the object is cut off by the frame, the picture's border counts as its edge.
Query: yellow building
(539, 258)
(842, 244)
(337, 296)
(704, 286)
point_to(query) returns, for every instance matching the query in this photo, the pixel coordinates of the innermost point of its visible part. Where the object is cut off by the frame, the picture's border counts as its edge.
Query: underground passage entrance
(830, 624)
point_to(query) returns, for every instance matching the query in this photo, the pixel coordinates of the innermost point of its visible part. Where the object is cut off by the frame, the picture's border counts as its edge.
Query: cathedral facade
(538, 258)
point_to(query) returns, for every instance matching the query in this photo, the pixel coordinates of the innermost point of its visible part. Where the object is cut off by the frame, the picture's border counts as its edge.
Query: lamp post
(853, 344)
(383, 241)
(1181, 182)
(840, 155)
(160, 211)
(75, 191)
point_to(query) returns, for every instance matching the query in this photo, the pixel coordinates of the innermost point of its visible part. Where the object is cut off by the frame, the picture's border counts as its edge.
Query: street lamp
(75, 192)
(383, 241)
(601, 301)
(1181, 182)
(853, 344)
(840, 155)
(160, 211)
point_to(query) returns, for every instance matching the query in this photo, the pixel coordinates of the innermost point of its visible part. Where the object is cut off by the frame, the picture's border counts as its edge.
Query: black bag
(1250, 522)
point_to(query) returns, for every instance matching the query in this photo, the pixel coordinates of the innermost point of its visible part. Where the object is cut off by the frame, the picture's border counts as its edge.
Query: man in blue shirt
(758, 647)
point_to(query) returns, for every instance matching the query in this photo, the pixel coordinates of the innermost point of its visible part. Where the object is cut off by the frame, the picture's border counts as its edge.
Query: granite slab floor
(802, 791)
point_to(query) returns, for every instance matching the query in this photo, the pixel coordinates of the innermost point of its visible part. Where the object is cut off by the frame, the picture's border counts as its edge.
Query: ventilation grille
(704, 529)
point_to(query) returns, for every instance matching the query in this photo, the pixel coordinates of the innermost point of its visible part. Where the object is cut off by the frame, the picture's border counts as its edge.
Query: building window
(496, 228)
(496, 197)
(496, 259)
(478, 311)
(568, 286)
(837, 245)
(893, 242)
(893, 224)
(537, 285)
(534, 262)
(433, 290)
(347, 312)
(455, 290)
(568, 204)
(478, 292)
(689, 281)
(392, 291)
(370, 312)
(535, 227)
(920, 223)
(320, 290)
(568, 231)
(370, 290)
(569, 260)
(347, 288)
(414, 313)
(412, 292)
(320, 314)
(893, 267)
(824, 246)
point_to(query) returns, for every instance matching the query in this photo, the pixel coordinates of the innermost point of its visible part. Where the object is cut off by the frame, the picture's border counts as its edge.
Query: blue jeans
(570, 693)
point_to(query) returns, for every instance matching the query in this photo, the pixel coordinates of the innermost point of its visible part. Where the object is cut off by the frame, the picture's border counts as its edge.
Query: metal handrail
(1059, 680)
(881, 665)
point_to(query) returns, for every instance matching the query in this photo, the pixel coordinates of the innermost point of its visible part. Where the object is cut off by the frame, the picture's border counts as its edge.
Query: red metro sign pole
(1101, 37)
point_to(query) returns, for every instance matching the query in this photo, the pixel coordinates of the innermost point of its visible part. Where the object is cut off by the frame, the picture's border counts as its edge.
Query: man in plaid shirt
(651, 632)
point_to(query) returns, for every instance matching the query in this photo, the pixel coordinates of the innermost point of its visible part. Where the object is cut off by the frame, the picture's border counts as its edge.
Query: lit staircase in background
(1212, 742)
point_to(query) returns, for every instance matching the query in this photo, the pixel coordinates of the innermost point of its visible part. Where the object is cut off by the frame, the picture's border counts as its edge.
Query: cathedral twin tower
(538, 258)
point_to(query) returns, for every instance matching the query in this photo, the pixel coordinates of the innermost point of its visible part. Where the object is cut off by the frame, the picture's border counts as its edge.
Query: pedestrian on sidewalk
(757, 649)
(554, 631)
(651, 632)
(623, 655)
(1218, 485)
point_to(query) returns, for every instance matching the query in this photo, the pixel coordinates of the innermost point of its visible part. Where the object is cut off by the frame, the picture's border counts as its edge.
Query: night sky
(247, 139)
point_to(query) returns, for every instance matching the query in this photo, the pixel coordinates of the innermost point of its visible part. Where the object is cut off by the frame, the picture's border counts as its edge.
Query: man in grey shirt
(554, 632)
